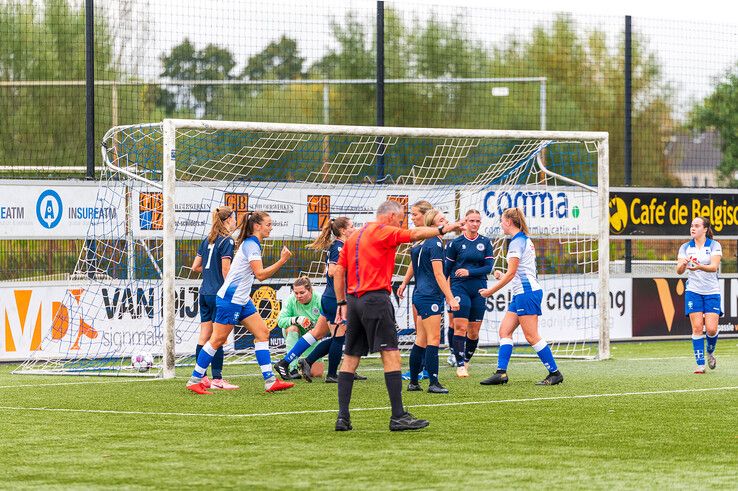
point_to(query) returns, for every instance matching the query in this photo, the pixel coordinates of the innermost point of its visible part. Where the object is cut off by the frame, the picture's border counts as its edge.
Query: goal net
(133, 291)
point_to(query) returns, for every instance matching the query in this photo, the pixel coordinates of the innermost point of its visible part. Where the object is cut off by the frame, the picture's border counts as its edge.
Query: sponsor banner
(122, 318)
(552, 212)
(569, 310)
(296, 211)
(668, 213)
(659, 310)
(39, 211)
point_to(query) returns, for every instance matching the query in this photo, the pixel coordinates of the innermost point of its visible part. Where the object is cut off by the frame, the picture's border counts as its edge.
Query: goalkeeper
(298, 315)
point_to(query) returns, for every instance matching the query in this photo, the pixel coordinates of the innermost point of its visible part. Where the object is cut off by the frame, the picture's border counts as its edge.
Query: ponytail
(247, 225)
(331, 228)
(219, 228)
(516, 216)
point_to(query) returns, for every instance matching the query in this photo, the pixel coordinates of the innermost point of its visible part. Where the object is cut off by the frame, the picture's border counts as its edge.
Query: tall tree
(719, 111)
(278, 61)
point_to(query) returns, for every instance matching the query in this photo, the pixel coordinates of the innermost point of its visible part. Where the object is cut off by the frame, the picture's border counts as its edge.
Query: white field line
(382, 408)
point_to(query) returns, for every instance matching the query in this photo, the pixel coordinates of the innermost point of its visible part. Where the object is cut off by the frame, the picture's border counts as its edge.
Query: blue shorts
(328, 309)
(207, 308)
(472, 305)
(230, 313)
(708, 304)
(527, 303)
(428, 306)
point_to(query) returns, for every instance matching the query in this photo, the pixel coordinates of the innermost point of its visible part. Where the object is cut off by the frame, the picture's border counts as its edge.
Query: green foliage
(719, 111)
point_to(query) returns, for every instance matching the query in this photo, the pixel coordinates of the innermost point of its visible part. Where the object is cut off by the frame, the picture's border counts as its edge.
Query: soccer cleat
(411, 387)
(700, 369)
(497, 378)
(461, 372)
(305, 369)
(219, 383)
(711, 361)
(279, 385)
(451, 360)
(329, 379)
(437, 388)
(343, 424)
(407, 422)
(552, 378)
(282, 368)
(359, 377)
(199, 388)
(206, 382)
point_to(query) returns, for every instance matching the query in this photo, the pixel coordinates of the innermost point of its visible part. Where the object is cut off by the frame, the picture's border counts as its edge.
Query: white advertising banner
(553, 212)
(33, 210)
(120, 319)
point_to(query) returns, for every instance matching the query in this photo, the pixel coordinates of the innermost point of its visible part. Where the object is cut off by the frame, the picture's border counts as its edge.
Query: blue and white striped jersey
(526, 279)
(237, 285)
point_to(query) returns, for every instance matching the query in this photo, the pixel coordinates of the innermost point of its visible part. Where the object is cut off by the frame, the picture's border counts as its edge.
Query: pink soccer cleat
(206, 382)
(219, 383)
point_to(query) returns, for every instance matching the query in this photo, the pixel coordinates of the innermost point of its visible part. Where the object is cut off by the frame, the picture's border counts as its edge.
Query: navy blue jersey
(422, 256)
(212, 255)
(333, 252)
(472, 255)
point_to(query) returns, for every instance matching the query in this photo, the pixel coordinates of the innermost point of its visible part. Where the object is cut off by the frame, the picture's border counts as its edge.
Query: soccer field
(639, 420)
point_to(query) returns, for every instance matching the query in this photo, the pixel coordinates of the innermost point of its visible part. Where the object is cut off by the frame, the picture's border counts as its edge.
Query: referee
(366, 263)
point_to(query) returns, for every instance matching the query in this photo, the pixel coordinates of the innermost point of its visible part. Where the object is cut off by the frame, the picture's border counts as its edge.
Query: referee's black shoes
(552, 378)
(343, 424)
(406, 422)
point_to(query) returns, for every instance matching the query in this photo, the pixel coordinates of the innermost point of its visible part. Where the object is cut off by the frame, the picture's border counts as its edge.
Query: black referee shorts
(370, 325)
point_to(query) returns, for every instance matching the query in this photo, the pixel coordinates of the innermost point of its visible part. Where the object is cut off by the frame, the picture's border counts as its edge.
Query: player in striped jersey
(525, 307)
(213, 260)
(700, 257)
(234, 304)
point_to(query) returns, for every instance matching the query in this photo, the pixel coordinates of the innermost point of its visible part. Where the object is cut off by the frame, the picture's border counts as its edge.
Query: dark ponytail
(331, 228)
(247, 225)
(708, 227)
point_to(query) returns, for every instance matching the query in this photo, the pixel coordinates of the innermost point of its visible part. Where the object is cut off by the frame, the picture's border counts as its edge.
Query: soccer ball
(142, 361)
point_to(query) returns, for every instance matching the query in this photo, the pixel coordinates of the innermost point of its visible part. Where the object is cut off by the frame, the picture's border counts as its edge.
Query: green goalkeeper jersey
(292, 308)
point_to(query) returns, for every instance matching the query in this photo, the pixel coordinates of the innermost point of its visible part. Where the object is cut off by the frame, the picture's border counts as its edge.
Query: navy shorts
(707, 304)
(328, 309)
(472, 305)
(230, 313)
(527, 303)
(428, 306)
(207, 308)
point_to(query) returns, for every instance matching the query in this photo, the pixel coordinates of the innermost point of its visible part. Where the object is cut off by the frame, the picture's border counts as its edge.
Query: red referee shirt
(368, 257)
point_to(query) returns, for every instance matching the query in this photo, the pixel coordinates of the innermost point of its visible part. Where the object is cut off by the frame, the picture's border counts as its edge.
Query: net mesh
(112, 308)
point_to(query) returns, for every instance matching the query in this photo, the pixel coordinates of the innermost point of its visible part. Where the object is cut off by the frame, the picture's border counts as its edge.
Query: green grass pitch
(640, 420)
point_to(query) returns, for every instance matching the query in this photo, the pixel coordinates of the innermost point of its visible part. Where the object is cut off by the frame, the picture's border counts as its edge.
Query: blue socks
(471, 347)
(261, 349)
(204, 358)
(459, 349)
(319, 351)
(431, 363)
(416, 362)
(544, 353)
(698, 345)
(504, 353)
(711, 343)
(217, 364)
(335, 354)
(302, 344)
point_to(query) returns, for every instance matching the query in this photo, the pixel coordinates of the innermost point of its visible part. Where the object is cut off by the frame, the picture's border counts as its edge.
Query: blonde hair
(219, 228)
(516, 216)
(331, 228)
(247, 225)
(430, 216)
(423, 206)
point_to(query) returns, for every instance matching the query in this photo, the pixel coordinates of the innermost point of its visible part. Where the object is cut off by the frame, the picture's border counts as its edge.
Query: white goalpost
(132, 289)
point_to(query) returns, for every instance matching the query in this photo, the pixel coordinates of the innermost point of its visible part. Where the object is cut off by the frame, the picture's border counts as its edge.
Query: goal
(133, 291)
